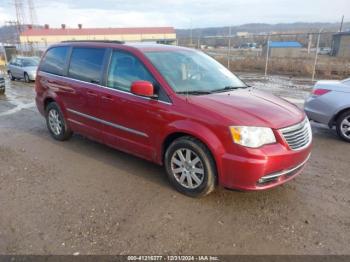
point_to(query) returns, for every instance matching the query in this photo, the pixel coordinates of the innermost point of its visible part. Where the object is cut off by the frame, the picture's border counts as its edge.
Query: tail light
(320, 92)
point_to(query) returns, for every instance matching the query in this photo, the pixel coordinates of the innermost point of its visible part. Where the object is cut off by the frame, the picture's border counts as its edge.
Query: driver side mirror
(143, 88)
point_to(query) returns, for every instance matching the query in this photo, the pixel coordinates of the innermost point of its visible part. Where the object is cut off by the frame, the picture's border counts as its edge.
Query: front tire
(343, 126)
(26, 78)
(190, 167)
(12, 78)
(56, 123)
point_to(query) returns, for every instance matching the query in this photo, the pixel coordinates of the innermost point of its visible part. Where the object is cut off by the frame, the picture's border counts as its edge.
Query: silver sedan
(329, 104)
(23, 68)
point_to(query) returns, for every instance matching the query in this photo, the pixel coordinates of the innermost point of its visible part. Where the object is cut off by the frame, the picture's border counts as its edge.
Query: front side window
(192, 71)
(86, 64)
(55, 60)
(124, 69)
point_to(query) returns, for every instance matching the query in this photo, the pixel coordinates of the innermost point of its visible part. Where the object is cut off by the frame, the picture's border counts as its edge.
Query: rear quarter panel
(44, 93)
(324, 108)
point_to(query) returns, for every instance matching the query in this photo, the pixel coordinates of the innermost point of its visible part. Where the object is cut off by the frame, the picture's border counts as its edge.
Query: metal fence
(308, 55)
(256, 53)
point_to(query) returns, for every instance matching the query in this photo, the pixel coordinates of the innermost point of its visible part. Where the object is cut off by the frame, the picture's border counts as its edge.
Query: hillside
(257, 28)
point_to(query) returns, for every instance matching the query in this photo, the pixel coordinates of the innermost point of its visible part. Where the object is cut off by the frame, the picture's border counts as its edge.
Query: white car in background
(23, 68)
(325, 51)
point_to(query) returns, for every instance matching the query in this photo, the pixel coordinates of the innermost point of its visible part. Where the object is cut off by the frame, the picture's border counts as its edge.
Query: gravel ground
(83, 197)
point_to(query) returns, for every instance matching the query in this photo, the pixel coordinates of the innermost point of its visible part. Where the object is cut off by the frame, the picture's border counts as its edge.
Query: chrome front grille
(298, 136)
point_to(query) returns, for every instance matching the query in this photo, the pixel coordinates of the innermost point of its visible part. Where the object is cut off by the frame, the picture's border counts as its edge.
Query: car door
(131, 123)
(84, 78)
(16, 70)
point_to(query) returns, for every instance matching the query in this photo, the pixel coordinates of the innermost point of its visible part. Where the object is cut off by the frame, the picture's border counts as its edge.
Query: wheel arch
(335, 117)
(47, 101)
(199, 132)
(50, 99)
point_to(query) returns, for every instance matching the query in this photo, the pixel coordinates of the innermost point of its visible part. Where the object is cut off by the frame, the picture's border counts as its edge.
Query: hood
(249, 107)
(31, 69)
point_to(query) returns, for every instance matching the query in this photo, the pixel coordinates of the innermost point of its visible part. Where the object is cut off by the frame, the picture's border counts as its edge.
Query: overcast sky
(179, 13)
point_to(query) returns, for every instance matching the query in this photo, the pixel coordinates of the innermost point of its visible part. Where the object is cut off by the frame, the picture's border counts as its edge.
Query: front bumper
(32, 76)
(275, 177)
(262, 169)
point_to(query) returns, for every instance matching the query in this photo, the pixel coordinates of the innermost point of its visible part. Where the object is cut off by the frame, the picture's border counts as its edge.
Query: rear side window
(55, 60)
(86, 64)
(124, 69)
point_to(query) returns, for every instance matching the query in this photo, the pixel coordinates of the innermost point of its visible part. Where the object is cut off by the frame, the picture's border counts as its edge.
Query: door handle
(91, 93)
(108, 98)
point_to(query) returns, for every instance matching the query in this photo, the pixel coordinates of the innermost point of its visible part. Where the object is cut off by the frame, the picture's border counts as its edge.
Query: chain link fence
(307, 55)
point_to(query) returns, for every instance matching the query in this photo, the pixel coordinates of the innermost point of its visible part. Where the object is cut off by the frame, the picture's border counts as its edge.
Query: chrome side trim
(284, 172)
(105, 87)
(130, 130)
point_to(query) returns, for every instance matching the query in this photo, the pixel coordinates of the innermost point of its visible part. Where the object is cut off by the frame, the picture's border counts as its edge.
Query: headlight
(251, 136)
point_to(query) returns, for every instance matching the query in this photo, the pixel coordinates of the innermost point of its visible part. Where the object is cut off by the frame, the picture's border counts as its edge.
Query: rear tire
(190, 167)
(56, 123)
(343, 126)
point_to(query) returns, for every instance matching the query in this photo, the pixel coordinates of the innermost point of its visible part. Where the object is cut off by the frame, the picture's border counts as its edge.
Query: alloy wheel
(55, 122)
(187, 168)
(345, 127)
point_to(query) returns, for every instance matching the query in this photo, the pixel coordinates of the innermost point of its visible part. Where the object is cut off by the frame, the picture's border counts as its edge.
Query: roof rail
(94, 41)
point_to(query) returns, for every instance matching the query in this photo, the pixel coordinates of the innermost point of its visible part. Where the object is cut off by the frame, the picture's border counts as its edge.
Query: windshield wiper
(228, 88)
(196, 92)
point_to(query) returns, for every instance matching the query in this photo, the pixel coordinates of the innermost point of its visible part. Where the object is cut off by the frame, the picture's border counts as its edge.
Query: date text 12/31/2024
(173, 258)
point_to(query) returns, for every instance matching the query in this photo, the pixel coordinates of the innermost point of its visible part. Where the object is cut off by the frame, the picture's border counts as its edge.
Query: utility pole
(20, 18)
(191, 35)
(32, 13)
(33, 21)
(316, 56)
(199, 39)
(341, 24)
(309, 44)
(267, 54)
(229, 48)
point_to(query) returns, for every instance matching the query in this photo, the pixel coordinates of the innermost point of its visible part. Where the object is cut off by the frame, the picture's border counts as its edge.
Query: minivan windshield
(193, 72)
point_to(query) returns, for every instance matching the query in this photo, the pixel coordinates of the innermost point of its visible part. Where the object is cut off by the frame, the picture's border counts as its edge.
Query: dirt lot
(81, 196)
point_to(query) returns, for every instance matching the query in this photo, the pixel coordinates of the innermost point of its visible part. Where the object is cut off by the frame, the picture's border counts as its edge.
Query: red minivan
(176, 107)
